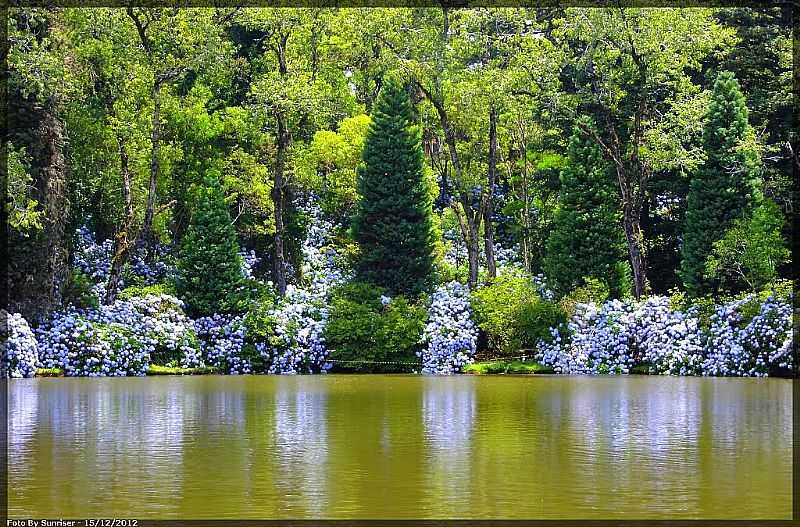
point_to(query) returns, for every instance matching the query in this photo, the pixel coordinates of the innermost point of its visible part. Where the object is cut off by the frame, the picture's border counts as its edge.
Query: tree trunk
(633, 234)
(56, 206)
(146, 236)
(122, 239)
(473, 254)
(632, 176)
(279, 263)
(488, 209)
(470, 224)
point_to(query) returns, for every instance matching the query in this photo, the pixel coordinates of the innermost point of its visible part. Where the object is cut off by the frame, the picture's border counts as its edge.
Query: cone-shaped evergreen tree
(210, 278)
(725, 187)
(587, 238)
(394, 221)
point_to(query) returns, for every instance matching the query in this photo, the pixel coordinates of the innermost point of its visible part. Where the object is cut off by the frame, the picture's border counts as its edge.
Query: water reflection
(23, 410)
(301, 448)
(400, 447)
(448, 416)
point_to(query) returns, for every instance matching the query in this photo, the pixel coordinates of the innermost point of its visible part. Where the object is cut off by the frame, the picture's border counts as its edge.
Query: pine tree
(394, 221)
(587, 238)
(727, 185)
(210, 278)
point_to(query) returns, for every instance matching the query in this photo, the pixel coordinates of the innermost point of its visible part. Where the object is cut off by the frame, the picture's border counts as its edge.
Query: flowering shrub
(617, 335)
(542, 288)
(301, 316)
(450, 336)
(92, 259)
(751, 350)
(299, 343)
(604, 337)
(118, 339)
(249, 262)
(221, 343)
(507, 256)
(20, 353)
(104, 349)
(670, 342)
(150, 271)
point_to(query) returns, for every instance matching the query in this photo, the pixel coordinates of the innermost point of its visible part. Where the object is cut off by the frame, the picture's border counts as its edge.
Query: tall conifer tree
(210, 278)
(725, 187)
(587, 238)
(394, 222)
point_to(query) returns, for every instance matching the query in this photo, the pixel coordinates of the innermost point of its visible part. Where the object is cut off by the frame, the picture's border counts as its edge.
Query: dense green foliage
(751, 251)
(512, 315)
(725, 187)
(507, 367)
(586, 239)
(365, 325)
(394, 224)
(209, 268)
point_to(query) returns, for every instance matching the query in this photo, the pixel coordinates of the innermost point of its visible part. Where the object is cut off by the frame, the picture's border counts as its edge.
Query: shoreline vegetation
(495, 367)
(397, 190)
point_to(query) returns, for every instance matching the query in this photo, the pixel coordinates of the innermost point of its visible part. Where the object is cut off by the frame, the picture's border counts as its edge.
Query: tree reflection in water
(448, 413)
(301, 439)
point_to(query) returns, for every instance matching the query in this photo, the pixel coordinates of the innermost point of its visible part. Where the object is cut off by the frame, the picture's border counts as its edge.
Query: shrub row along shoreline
(750, 336)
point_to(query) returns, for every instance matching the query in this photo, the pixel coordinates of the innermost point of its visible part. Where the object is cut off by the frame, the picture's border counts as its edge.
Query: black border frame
(793, 5)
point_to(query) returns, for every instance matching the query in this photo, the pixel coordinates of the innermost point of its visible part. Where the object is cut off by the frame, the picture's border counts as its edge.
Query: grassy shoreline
(507, 367)
(153, 370)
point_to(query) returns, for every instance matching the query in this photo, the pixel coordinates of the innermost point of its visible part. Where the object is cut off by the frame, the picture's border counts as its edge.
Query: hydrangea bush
(20, 352)
(669, 341)
(221, 343)
(615, 336)
(450, 336)
(93, 260)
(249, 262)
(301, 316)
(118, 339)
(299, 346)
(750, 351)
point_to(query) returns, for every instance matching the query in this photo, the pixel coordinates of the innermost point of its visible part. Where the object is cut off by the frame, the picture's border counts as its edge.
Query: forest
(434, 190)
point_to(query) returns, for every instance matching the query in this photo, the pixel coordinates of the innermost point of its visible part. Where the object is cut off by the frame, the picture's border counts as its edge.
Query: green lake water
(400, 447)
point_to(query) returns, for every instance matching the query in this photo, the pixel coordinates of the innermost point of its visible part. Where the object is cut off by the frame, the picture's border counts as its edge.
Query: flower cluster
(614, 337)
(152, 270)
(450, 336)
(301, 317)
(93, 259)
(118, 339)
(108, 350)
(670, 341)
(249, 262)
(299, 327)
(19, 349)
(544, 291)
(749, 351)
(602, 338)
(221, 343)
(455, 252)
(507, 256)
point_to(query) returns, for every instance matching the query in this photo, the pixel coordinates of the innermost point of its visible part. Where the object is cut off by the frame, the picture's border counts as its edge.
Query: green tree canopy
(587, 238)
(727, 184)
(210, 276)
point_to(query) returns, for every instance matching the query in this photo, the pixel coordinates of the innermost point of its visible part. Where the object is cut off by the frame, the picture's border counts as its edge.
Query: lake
(384, 446)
